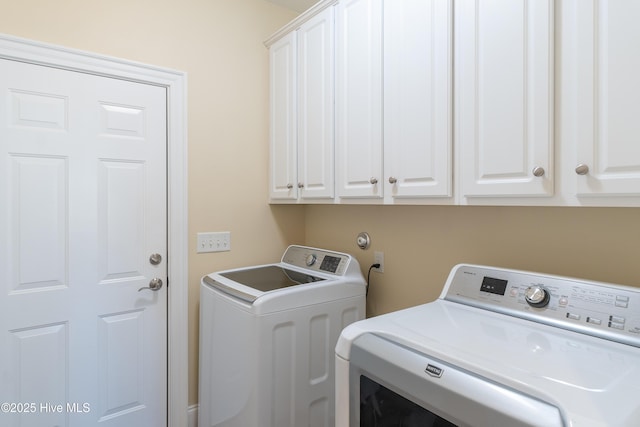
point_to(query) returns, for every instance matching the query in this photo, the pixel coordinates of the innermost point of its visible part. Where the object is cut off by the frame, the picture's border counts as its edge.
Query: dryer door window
(380, 406)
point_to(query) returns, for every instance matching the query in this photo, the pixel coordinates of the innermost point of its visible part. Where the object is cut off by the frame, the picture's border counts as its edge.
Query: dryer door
(394, 385)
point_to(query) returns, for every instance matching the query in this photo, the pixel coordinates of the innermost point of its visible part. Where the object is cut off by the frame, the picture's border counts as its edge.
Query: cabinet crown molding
(301, 19)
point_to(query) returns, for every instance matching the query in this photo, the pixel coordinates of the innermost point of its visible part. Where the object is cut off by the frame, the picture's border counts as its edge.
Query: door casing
(175, 82)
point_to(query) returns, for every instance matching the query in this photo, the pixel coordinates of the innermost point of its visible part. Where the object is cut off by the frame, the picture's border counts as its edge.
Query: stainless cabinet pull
(582, 169)
(538, 171)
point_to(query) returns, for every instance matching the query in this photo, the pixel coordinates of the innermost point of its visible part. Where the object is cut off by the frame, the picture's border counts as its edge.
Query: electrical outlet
(214, 242)
(378, 258)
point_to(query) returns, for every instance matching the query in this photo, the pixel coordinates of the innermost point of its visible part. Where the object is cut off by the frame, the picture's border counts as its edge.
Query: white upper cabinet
(359, 99)
(485, 102)
(504, 97)
(601, 90)
(302, 112)
(283, 167)
(316, 119)
(417, 98)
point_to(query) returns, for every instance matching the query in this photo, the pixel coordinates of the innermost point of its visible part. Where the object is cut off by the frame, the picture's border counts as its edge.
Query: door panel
(504, 97)
(121, 210)
(418, 48)
(359, 99)
(316, 117)
(124, 392)
(28, 346)
(40, 235)
(82, 207)
(283, 156)
(605, 38)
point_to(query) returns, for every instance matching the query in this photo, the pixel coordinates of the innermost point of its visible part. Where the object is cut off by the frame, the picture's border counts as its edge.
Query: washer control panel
(317, 259)
(600, 309)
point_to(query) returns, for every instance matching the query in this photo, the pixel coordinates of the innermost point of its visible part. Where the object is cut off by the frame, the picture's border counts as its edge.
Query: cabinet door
(283, 167)
(316, 106)
(359, 98)
(417, 97)
(607, 76)
(504, 97)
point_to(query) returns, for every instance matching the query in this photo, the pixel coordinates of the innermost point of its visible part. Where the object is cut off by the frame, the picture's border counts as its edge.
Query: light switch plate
(214, 242)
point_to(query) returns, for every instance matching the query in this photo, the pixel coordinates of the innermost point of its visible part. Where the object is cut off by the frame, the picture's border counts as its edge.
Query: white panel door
(283, 182)
(82, 208)
(606, 42)
(418, 38)
(504, 97)
(359, 99)
(315, 110)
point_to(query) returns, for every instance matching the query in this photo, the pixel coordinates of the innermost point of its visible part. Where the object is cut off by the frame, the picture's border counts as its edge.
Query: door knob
(155, 284)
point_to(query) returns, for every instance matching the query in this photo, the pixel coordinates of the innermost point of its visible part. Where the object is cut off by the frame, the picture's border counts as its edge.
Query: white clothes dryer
(498, 348)
(267, 339)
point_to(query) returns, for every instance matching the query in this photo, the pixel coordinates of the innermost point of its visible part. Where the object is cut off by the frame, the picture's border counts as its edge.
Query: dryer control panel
(601, 309)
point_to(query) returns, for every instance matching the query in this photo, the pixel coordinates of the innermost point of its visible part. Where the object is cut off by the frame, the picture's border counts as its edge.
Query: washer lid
(270, 277)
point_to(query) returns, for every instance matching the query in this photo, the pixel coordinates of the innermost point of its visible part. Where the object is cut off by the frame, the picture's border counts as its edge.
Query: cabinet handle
(538, 171)
(289, 186)
(582, 169)
(393, 180)
(373, 181)
(300, 185)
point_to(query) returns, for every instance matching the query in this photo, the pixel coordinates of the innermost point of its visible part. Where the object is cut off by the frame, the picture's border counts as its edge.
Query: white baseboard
(192, 415)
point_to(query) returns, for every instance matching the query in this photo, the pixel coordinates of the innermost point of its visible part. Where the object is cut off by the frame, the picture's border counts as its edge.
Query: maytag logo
(434, 371)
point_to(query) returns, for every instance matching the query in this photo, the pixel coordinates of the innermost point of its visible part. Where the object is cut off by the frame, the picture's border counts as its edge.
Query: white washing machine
(268, 335)
(497, 348)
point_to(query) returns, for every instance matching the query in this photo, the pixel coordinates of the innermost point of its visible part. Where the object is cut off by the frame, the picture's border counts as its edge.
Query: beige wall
(422, 243)
(219, 44)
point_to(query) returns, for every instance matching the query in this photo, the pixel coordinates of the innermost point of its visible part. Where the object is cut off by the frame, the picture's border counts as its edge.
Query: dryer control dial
(311, 259)
(536, 296)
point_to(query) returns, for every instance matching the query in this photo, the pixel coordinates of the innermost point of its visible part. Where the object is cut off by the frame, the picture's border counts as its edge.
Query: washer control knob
(311, 259)
(537, 296)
